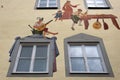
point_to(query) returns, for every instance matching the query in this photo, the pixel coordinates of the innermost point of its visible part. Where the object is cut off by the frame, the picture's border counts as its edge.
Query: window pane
(42, 3)
(40, 65)
(95, 65)
(100, 1)
(101, 5)
(52, 0)
(26, 51)
(96, 3)
(52, 3)
(91, 5)
(41, 51)
(75, 51)
(91, 51)
(77, 64)
(90, 1)
(23, 65)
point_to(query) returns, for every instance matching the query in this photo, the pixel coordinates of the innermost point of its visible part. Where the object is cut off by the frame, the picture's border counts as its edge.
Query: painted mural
(68, 9)
(78, 16)
(58, 15)
(67, 13)
(40, 28)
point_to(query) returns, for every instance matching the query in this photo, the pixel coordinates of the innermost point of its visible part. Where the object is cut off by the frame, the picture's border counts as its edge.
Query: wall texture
(17, 14)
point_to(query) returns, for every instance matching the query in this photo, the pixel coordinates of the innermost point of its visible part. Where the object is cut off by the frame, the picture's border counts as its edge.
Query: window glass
(95, 65)
(42, 3)
(75, 51)
(91, 5)
(40, 65)
(90, 1)
(41, 51)
(77, 64)
(26, 51)
(91, 51)
(52, 3)
(23, 65)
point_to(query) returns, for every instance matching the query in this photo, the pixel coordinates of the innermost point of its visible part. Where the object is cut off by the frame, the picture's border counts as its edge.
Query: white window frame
(32, 59)
(106, 2)
(47, 4)
(85, 58)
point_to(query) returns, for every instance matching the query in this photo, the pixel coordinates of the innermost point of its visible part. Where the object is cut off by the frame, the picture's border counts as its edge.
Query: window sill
(98, 7)
(89, 73)
(46, 7)
(30, 73)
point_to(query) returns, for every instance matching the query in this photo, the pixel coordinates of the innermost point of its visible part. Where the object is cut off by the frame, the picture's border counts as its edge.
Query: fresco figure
(76, 17)
(58, 15)
(41, 27)
(67, 8)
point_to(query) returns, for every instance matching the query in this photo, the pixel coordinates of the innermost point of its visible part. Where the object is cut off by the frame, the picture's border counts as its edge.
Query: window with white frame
(47, 4)
(85, 55)
(32, 58)
(97, 4)
(86, 58)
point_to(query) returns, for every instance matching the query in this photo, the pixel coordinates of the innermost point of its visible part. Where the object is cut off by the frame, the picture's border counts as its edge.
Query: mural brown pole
(85, 19)
(115, 23)
(86, 23)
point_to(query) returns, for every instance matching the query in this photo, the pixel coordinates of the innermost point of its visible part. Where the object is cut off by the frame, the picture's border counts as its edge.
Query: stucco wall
(17, 14)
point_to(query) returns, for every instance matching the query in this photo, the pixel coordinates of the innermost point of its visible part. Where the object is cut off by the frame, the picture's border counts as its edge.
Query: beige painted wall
(17, 14)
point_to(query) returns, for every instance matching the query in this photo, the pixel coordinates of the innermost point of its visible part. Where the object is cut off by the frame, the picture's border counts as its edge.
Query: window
(47, 4)
(32, 58)
(97, 4)
(85, 58)
(85, 55)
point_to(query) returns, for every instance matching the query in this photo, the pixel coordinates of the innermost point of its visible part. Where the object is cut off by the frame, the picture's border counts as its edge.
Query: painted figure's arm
(74, 5)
